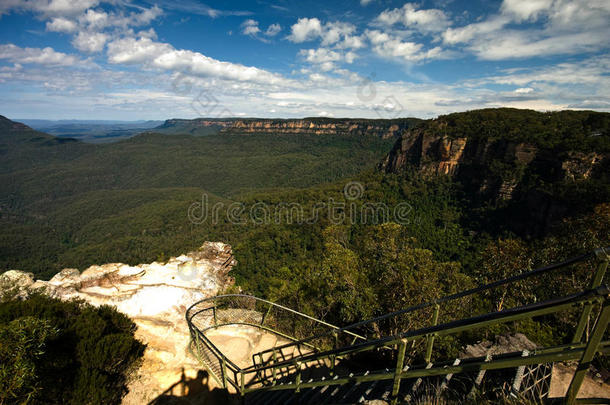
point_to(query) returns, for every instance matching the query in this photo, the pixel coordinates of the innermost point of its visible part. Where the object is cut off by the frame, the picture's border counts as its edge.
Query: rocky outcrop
(308, 126)
(507, 343)
(492, 168)
(155, 296)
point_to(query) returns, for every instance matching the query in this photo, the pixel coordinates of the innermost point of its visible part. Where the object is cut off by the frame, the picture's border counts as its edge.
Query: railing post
(583, 365)
(297, 382)
(431, 337)
(266, 314)
(333, 358)
(274, 369)
(214, 312)
(402, 348)
(603, 257)
(224, 372)
(242, 385)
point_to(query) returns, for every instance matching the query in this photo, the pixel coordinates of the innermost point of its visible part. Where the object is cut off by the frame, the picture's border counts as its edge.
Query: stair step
(353, 389)
(316, 399)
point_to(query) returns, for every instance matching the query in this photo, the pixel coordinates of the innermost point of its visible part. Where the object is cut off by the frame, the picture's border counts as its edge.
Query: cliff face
(500, 171)
(155, 296)
(308, 126)
(495, 167)
(381, 128)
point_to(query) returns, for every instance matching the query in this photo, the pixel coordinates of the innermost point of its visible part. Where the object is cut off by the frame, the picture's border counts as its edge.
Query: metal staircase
(322, 363)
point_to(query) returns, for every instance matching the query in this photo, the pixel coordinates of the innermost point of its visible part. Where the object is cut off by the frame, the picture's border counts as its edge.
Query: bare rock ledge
(155, 296)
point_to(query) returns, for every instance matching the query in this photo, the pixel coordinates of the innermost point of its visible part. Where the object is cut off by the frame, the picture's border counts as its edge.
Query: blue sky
(147, 59)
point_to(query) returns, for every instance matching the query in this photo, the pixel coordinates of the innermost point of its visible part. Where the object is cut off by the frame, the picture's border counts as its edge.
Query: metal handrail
(191, 314)
(452, 297)
(311, 318)
(506, 315)
(586, 300)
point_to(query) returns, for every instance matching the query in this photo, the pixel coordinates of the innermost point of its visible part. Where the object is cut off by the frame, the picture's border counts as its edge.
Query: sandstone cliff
(309, 126)
(479, 161)
(155, 296)
(540, 166)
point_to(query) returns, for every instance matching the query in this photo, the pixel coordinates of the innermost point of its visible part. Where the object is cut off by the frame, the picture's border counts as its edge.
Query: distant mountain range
(92, 131)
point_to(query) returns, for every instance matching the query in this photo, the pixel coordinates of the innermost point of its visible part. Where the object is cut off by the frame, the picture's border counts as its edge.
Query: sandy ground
(591, 388)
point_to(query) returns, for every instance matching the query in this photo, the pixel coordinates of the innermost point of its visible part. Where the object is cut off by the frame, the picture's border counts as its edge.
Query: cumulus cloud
(42, 56)
(320, 55)
(392, 47)
(305, 29)
(273, 30)
(90, 41)
(60, 24)
(164, 56)
(425, 21)
(338, 34)
(250, 27)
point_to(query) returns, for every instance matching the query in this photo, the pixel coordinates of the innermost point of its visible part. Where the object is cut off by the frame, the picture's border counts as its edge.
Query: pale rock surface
(155, 296)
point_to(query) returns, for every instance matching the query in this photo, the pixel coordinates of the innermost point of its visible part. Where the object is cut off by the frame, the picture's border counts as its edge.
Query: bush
(65, 352)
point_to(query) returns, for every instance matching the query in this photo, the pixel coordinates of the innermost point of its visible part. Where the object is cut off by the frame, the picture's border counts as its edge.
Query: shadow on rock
(195, 391)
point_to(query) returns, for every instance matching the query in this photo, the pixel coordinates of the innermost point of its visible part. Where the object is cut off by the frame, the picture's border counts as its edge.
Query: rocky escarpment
(493, 167)
(155, 296)
(317, 126)
(308, 126)
(536, 163)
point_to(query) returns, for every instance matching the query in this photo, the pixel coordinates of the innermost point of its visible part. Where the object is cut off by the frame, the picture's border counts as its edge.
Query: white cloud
(464, 34)
(326, 60)
(333, 32)
(525, 9)
(60, 24)
(391, 47)
(524, 90)
(273, 30)
(42, 56)
(49, 8)
(320, 55)
(250, 27)
(564, 27)
(93, 19)
(365, 2)
(146, 16)
(338, 34)
(425, 21)
(305, 29)
(90, 41)
(519, 44)
(164, 56)
(590, 74)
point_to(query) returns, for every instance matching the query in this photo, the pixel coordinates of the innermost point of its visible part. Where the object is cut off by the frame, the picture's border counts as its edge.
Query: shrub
(65, 352)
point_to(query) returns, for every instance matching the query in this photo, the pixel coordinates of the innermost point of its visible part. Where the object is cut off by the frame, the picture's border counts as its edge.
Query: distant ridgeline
(383, 128)
(539, 164)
